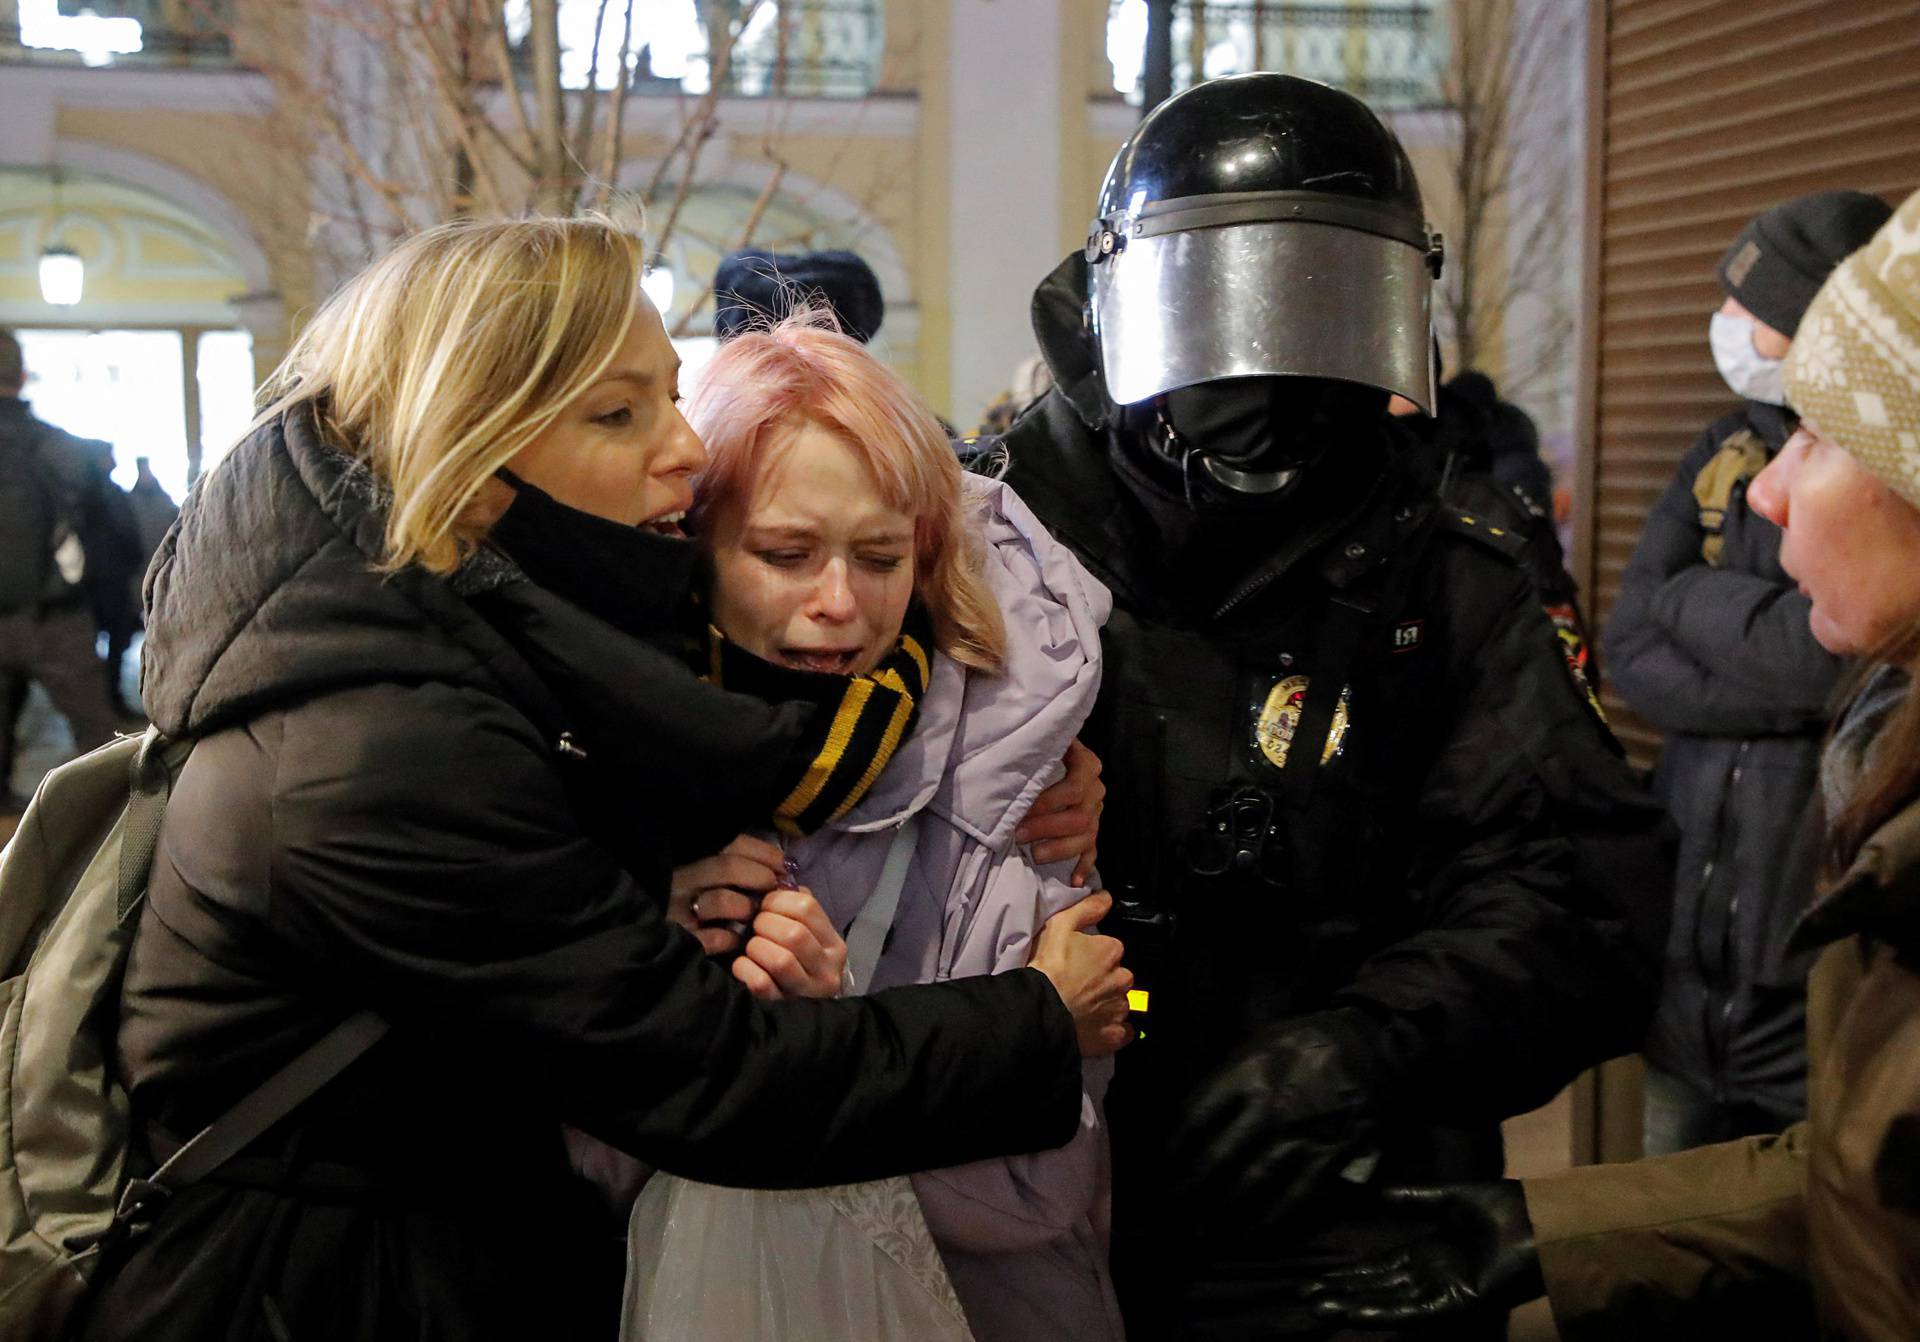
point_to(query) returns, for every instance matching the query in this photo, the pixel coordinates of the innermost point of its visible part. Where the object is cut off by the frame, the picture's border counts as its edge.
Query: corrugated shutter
(1711, 111)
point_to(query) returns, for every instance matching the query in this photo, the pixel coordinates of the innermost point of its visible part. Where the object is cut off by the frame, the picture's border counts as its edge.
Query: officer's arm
(1541, 882)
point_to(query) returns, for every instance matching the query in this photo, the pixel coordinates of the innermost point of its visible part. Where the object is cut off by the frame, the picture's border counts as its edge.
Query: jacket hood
(987, 745)
(1059, 316)
(265, 592)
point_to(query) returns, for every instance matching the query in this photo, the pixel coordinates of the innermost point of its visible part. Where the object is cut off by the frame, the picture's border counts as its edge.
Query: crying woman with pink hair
(844, 539)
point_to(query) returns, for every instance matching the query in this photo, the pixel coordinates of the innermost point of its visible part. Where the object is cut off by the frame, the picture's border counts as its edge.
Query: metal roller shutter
(1705, 113)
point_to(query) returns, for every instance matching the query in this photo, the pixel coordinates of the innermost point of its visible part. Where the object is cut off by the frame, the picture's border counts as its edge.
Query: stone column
(1004, 220)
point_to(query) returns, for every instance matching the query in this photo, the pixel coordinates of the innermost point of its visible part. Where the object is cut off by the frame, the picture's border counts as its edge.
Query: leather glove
(1276, 1128)
(1475, 1257)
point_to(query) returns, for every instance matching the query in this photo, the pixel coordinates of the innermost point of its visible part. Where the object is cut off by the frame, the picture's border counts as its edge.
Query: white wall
(1005, 63)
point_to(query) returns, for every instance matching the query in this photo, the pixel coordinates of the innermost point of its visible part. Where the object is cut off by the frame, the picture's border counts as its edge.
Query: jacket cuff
(1623, 1246)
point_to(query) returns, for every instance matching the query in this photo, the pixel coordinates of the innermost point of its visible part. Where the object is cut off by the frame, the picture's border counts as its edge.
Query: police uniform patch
(1573, 647)
(1280, 717)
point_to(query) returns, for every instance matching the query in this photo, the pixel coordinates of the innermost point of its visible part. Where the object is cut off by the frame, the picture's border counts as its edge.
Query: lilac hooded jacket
(1024, 1238)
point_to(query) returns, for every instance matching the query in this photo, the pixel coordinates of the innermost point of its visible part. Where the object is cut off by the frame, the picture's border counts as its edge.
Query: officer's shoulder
(1487, 532)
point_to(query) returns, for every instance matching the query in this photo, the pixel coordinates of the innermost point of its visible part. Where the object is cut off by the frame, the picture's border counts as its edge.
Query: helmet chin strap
(1248, 484)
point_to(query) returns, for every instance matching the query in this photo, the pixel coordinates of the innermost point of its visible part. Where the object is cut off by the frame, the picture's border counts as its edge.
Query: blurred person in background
(1030, 381)
(1485, 452)
(755, 290)
(1708, 640)
(153, 509)
(116, 563)
(55, 499)
(1814, 1232)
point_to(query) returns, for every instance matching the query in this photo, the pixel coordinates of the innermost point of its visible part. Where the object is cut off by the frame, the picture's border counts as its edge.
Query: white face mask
(1749, 372)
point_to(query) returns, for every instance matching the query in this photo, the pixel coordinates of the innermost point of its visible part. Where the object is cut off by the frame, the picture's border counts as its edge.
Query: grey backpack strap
(868, 935)
(269, 1102)
(149, 787)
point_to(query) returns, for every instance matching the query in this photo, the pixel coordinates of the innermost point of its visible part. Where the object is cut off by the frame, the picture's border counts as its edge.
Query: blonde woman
(416, 624)
(838, 527)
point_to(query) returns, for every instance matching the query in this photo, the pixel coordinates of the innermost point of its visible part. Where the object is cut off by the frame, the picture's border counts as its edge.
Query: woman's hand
(1086, 971)
(717, 895)
(1065, 819)
(794, 951)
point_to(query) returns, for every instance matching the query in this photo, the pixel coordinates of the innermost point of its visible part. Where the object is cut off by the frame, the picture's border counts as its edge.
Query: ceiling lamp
(62, 275)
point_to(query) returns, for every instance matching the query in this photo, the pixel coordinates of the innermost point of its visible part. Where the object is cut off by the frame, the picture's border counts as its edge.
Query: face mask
(1248, 440)
(630, 577)
(1750, 373)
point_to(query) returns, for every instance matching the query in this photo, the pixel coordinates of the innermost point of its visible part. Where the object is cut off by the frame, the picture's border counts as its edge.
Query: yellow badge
(1281, 715)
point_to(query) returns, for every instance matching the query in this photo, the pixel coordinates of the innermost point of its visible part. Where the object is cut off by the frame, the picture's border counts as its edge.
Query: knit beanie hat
(1778, 262)
(1854, 368)
(754, 289)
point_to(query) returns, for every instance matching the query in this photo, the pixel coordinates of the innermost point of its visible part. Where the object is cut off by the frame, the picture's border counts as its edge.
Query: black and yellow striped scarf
(860, 723)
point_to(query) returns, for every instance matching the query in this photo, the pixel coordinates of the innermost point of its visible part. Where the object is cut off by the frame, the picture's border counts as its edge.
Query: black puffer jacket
(1720, 657)
(377, 815)
(1475, 871)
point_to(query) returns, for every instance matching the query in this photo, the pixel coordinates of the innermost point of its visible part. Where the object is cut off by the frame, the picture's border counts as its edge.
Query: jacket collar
(1879, 896)
(1774, 423)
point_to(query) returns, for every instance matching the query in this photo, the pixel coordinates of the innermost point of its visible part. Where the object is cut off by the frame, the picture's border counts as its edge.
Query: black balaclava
(1318, 443)
(633, 578)
(1246, 444)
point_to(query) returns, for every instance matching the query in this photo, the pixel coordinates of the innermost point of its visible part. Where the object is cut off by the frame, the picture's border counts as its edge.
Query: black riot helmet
(1260, 242)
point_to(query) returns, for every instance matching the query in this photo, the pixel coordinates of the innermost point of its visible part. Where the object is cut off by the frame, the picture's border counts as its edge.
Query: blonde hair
(763, 386)
(441, 360)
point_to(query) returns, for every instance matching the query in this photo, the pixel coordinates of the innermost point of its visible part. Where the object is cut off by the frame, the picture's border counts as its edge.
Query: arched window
(1389, 52)
(799, 48)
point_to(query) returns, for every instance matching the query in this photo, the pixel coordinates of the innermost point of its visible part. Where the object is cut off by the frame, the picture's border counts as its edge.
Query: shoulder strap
(1742, 456)
(149, 785)
(1486, 530)
(268, 1103)
(868, 935)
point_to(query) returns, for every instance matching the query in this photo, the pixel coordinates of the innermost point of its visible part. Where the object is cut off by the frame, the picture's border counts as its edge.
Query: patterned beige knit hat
(1854, 368)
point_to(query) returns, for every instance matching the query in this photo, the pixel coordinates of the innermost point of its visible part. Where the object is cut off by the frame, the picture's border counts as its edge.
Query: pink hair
(762, 387)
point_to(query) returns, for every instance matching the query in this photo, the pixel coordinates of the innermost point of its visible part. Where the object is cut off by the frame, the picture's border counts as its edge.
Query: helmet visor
(1264, 299)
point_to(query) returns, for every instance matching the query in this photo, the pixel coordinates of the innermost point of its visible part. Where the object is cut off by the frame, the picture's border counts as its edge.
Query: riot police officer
(1387, 878)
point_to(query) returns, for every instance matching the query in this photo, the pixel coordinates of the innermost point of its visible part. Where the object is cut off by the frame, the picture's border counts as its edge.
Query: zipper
(569, 747)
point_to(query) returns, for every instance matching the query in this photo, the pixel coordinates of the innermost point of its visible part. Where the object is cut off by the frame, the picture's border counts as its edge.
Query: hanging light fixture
(62, 273)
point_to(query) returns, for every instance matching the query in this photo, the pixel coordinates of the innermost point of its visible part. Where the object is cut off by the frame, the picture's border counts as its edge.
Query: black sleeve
(1661, 675)
(1753, 632)
(1541, 883)
(426, 853)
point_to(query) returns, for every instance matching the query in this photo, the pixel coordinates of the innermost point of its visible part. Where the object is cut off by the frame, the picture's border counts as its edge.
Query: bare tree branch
(617, 112)
(510, 85)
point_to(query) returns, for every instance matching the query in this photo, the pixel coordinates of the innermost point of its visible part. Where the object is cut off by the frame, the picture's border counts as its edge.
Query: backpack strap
(150, 783)
(1742, 456)
(868, 935)
(268, 1103)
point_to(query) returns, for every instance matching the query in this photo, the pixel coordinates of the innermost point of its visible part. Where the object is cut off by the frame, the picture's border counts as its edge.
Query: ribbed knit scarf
(861, 723)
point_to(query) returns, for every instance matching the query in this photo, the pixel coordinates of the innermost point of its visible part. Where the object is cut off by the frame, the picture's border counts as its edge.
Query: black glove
(1277, 1127)
(1475, 1257)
